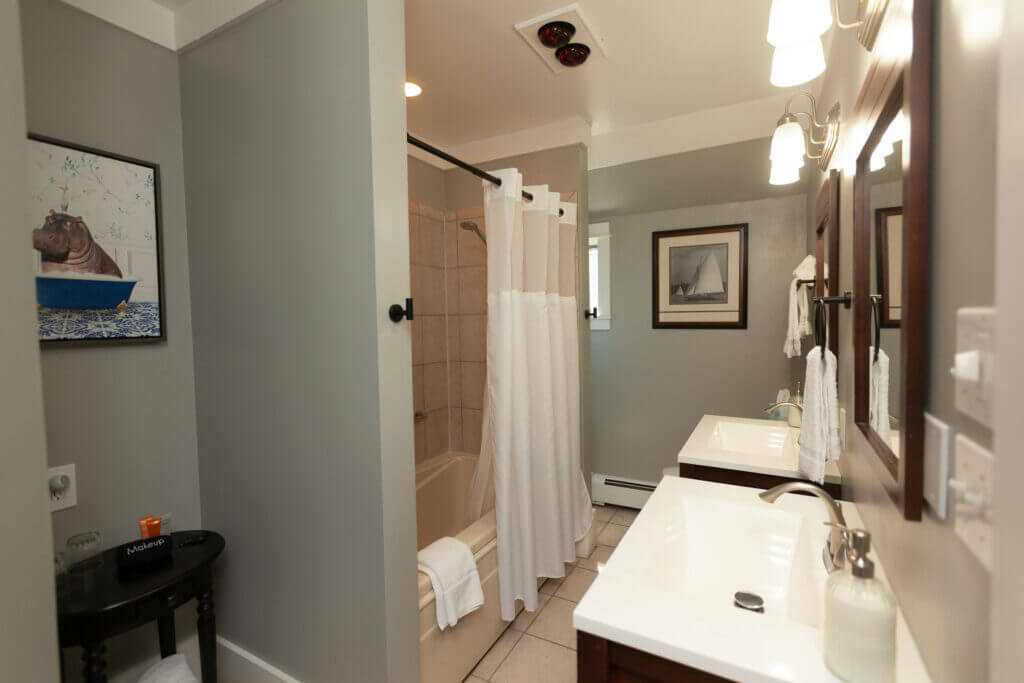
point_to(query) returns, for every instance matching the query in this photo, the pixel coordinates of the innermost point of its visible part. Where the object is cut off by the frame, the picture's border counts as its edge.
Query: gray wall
(714, 175)
(926, 559)
(28, 648)
(281, 228)
(651, 387)
(124, 415)
(426, 184)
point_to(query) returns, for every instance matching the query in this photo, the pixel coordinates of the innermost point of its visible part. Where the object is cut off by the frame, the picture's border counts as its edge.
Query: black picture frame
(158, 244)
(738, 260)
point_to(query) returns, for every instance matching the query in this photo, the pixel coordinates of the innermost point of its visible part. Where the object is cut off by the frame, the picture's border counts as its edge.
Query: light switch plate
(973, 364)
(69, 497)
(973, 469)
(936, 464)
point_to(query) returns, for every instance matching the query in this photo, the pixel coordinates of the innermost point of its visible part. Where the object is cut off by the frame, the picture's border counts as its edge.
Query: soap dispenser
(796, 416)
(860, 619)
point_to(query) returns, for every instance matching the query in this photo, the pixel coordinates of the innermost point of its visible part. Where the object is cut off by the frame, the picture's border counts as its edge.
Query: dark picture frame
(157, 245)
(707, 278)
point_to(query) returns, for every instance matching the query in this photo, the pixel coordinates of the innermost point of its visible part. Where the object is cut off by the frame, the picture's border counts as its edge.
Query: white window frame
(600, 237)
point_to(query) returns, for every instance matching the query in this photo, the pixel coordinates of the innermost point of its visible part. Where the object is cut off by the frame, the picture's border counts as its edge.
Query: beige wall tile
(435, 340)
(474, 376)
(472, 423)
(419, 402)
(472, 250)
(431, 213)
(437, 432)
(449, 215)
(473, 289)
(451, 243)
(473, 337)
(417, 338)
(435, 385)
(452, 291)
(455, 430)
(415, 253)
(454, 345)
(420, 436)
(455, 384)
(470, 212)
(428, 290)
(431, 241)
(414, 209)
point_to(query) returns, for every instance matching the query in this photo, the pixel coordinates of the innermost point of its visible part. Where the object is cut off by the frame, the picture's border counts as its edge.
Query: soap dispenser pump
(860, 618)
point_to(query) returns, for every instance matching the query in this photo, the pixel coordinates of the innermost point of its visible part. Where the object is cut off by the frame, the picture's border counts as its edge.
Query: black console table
(107, 603)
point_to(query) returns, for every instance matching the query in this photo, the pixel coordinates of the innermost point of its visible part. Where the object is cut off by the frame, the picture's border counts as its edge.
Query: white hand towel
(819, 432)
(878, 400)
(799, 325)
(450, 566)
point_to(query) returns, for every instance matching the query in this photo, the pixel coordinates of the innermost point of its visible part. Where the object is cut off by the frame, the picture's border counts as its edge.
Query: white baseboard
(607, 489)
(238, 665)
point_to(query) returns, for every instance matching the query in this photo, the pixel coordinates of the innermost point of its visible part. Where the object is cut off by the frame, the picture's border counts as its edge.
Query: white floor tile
(611, 535)
(603, 513)
(534, 660)
(576, 584)
(523, 621)
(624, 516)
(497, 654)
(598, 557)
(554, 623)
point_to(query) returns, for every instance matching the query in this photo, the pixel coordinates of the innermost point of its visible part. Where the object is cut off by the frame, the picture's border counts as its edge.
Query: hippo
(67, 245)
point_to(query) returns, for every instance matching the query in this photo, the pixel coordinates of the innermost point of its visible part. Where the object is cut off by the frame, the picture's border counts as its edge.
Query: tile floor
(540, 646)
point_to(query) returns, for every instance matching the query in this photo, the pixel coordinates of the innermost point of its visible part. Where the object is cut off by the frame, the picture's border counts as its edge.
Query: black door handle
(590, 314)
(396, 312)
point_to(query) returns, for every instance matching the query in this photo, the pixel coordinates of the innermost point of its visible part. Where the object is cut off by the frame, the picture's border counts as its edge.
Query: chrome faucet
(770, 410)
(834, 552)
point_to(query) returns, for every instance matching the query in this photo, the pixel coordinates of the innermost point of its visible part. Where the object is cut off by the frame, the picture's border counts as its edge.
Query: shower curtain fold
(531, 440)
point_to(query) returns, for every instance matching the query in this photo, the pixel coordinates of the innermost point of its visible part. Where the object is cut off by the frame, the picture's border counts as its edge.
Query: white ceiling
(666, 58)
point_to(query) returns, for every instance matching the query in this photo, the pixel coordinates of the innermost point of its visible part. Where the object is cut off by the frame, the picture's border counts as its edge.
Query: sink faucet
(834, 552)
(770, 410)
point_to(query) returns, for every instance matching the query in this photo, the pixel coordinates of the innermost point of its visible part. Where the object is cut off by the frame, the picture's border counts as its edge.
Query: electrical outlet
(62, 496)
(972, 497)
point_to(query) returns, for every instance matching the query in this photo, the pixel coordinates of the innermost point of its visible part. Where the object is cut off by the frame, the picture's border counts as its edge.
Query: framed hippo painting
(95, 228)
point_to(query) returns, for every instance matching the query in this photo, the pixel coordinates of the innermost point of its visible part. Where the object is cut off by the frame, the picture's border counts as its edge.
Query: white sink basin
(765, 437)
(738, 443)
(668, 587)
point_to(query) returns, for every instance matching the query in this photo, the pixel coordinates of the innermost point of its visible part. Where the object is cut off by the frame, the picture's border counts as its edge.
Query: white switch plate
(936, 464)
(67, 499)
(973, 468)
(974, 334)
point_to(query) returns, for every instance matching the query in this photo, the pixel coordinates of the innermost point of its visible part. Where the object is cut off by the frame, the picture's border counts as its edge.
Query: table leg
(207, 638)
(95, 669)
(168, 641)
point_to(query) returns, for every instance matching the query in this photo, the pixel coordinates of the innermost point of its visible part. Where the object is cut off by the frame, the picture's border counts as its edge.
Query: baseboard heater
(609, 490)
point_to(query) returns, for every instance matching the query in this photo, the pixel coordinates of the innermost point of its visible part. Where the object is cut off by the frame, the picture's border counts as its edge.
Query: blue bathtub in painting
(82, 291)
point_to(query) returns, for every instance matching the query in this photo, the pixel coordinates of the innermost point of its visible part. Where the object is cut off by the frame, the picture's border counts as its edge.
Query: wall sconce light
(795, 28)
(791, 140)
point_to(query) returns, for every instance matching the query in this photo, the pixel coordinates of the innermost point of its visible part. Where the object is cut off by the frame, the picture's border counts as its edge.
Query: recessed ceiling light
(412, 90)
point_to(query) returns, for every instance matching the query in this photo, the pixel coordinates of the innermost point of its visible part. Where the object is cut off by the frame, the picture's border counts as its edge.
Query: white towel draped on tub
(878, 401)
(819, 431)
(799, 325)
(450, 566)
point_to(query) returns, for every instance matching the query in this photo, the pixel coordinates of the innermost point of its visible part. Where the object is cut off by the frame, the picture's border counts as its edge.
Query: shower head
(473, 227)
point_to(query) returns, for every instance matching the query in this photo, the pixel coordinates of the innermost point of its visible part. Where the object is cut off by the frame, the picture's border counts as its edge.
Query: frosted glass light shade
(797, 63)
(783, 174)
(794, 21)
(788, 144)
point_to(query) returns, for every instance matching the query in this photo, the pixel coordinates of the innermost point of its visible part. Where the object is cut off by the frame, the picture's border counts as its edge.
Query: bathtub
(56, 289)
(442, 484)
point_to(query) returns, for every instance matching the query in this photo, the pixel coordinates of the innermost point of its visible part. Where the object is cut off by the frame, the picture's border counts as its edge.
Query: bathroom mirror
(826, 251)
(891, 199)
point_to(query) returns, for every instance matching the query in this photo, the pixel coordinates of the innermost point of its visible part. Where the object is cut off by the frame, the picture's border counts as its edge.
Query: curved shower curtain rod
(478, 172)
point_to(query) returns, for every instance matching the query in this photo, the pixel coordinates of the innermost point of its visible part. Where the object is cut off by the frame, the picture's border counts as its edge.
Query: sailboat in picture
(707, 282)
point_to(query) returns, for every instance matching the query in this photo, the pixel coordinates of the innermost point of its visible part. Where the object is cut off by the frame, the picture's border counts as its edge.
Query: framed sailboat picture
(700, 277)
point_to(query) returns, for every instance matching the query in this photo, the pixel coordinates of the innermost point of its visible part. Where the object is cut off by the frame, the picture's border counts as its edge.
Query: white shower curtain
(531, 430)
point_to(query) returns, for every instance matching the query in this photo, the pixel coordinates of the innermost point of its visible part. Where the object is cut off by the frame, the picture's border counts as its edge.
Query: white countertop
(704, 448)
(667, 588)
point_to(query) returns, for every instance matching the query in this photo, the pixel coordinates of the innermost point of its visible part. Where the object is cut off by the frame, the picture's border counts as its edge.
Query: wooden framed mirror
(826, 249)
(892, 197)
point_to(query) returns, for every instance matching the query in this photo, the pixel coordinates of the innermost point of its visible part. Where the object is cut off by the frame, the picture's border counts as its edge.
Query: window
(600, 269)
